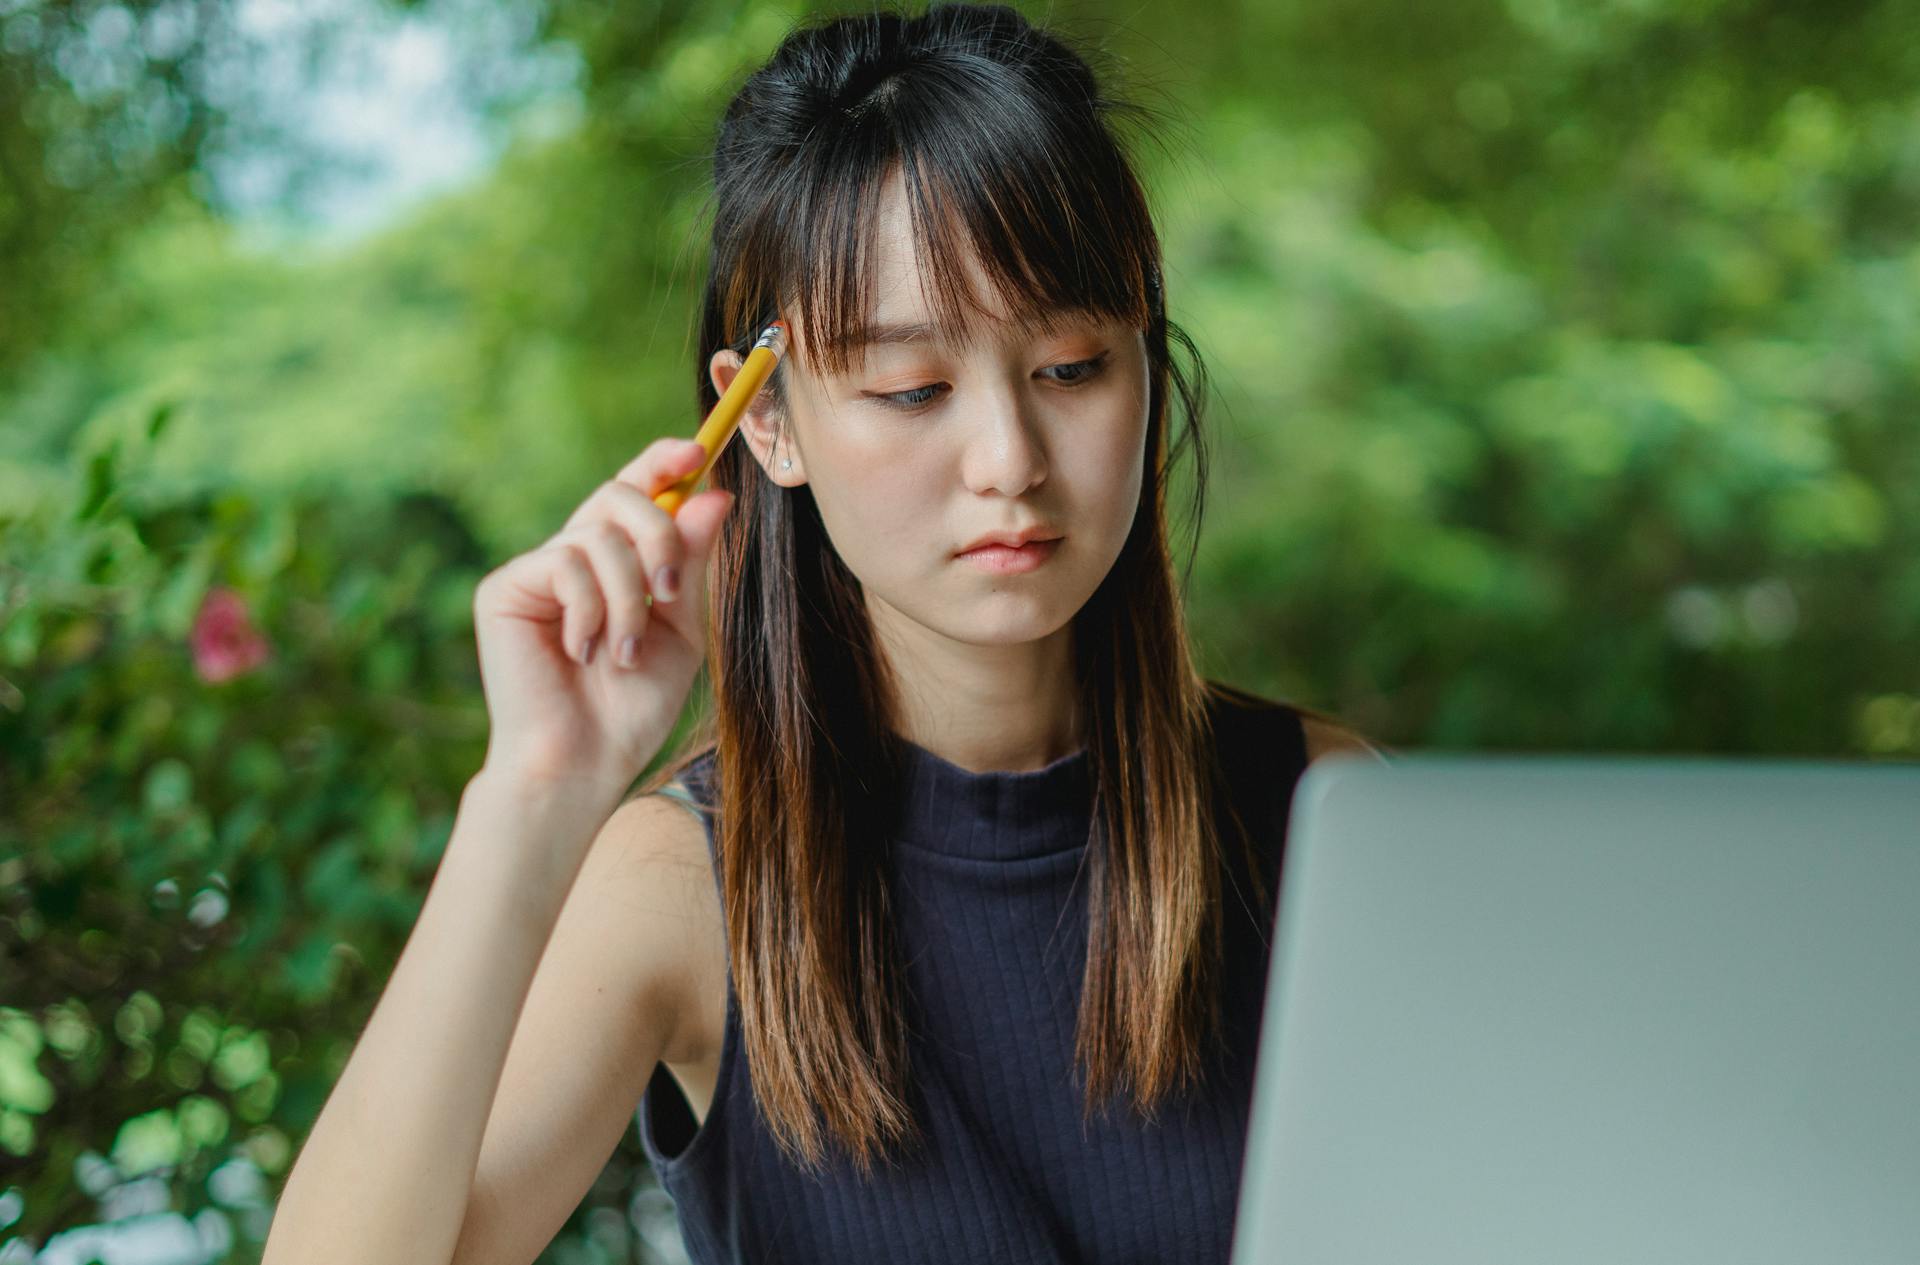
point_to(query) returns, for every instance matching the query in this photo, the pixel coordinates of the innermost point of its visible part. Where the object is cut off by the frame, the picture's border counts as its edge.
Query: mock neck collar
(998, 815)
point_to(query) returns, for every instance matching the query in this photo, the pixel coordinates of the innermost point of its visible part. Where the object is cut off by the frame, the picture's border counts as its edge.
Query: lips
(1001, 559)
(1012, 540)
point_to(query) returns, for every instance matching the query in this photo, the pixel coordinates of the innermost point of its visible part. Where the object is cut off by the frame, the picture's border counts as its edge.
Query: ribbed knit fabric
(993, 927)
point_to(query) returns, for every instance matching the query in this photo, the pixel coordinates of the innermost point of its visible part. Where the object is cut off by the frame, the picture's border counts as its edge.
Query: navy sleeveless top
(992, 926)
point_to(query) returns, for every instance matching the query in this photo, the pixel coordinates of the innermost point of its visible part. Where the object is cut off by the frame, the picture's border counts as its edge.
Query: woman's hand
(551, 624)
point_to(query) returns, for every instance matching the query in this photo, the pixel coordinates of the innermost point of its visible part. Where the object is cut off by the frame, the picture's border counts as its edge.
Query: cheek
(868, 517)
(1118, 468)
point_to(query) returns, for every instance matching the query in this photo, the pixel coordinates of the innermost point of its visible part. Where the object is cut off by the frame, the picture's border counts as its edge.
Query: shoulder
(1326, 736)
(652, 836)
(1322, 734)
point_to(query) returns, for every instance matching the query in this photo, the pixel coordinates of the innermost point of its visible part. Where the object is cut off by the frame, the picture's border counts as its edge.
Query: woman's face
(922, 449)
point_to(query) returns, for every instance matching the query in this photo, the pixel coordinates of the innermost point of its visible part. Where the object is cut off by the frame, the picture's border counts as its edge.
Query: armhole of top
(670, 1135)
(677, 791)
(665, 1118)
(1299, 729)
(1263, 750)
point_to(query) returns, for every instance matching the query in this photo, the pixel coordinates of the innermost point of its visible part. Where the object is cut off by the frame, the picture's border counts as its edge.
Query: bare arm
(387, 1171)
(620, 990)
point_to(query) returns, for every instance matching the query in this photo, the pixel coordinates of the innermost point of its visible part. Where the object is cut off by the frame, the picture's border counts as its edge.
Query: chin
(1011, 628)
(1005, 618)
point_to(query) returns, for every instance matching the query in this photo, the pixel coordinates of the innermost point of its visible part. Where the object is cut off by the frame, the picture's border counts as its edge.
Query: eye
(1082, 370)
(1077, 373)
(915, 398)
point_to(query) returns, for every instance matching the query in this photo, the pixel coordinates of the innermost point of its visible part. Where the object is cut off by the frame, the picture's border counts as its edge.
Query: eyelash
(892, 399)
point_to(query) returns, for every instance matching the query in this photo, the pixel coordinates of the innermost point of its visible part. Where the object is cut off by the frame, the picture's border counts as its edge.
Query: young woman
(960, 952)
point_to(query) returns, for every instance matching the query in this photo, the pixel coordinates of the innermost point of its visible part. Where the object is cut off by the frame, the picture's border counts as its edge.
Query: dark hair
(1011, 152)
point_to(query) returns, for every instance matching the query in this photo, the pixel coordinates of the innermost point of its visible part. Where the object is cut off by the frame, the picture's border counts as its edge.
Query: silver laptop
(1542, 1010)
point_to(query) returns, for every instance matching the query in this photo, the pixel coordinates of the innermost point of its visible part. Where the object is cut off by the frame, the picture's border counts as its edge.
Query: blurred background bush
(1566, 361)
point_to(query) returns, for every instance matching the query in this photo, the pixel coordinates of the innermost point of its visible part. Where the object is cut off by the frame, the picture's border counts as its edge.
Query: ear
(761, 426)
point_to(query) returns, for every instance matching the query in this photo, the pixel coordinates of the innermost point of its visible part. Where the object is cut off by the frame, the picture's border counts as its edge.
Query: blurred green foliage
(1567, 359)
(199, 874)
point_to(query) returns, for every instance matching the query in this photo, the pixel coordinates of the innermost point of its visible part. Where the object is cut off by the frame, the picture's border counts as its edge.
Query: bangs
(1042, 201)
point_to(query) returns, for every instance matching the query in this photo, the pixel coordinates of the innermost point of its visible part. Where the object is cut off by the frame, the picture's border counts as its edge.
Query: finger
(573, 583)
(537, 586)
(617, 569)
(661, 464)
(658, 466)
(658, 540)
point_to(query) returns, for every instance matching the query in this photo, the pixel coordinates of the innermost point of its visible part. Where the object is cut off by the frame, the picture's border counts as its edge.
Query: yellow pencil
(725, 418)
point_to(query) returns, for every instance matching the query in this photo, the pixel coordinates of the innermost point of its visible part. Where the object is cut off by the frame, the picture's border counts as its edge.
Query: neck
(985, 708)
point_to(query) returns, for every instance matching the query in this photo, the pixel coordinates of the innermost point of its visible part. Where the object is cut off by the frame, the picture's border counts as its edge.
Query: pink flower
(225, 643)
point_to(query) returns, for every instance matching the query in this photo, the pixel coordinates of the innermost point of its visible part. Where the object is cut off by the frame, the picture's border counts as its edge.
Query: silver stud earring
(787, 464)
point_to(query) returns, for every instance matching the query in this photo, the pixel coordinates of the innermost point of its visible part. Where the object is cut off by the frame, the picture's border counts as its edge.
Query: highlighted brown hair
(1012, 154)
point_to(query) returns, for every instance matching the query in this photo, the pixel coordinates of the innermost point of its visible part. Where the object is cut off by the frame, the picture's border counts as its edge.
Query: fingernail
(627, 650)
(586, 651)
(666, 583)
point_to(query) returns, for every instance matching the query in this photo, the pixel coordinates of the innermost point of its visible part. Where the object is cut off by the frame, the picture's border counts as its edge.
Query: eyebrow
(895, 335)
(903, 334)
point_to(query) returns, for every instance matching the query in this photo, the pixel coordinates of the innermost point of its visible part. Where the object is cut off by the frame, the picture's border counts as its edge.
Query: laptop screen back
(1547, 1009)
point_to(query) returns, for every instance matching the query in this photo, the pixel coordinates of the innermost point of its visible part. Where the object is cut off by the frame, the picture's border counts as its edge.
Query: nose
(1005, 448)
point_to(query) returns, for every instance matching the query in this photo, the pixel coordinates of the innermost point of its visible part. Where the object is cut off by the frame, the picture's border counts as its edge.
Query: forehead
(898, 273)
(898, 305)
